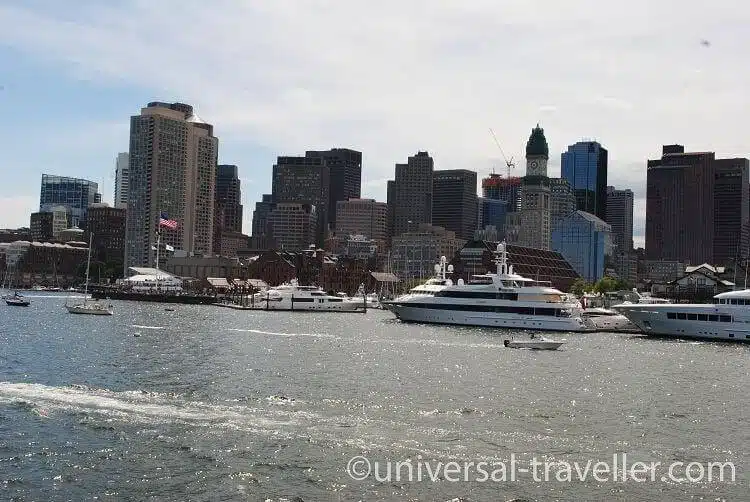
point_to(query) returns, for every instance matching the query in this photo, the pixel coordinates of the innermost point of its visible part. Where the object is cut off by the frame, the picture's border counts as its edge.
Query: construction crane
(509, 163)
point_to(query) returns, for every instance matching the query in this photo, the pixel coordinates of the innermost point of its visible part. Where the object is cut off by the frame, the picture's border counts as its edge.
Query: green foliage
(607, 283)
(580, 286)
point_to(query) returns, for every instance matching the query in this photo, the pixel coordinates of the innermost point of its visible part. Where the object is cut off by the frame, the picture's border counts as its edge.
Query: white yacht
(503, 299)
(727, 318)
(292, 296)
(607, 320)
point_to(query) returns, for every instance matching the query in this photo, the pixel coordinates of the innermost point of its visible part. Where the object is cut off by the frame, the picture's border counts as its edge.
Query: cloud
(393, 77)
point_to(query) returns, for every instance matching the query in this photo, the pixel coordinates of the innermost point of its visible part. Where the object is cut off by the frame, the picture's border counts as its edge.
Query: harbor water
(203, 403)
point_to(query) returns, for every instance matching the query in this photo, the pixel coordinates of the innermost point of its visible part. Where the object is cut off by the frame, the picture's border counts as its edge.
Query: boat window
(681, 315)
(702, 317)
(713, 318)
(725, 318)
(734, 301)
(692, 317)
(671, 315)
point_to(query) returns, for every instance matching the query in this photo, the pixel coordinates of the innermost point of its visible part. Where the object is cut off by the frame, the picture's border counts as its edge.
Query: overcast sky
(388, 78)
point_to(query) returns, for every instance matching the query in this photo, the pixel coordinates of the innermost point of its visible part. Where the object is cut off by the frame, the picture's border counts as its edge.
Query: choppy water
(213, 404)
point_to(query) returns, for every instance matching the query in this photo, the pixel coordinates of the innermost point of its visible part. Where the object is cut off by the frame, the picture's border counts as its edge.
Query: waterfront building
(172, 174)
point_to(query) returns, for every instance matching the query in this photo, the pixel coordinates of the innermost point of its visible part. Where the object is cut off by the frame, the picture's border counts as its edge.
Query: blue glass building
(73, 193)
(493, 213)
(583, 240)
(584, 165)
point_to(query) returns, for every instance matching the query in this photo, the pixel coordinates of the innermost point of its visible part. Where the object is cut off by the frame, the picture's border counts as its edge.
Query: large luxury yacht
(292, 296)
(727, 318)
(503, 299)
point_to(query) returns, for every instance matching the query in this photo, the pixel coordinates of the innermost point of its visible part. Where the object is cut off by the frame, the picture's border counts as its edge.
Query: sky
(388, 78)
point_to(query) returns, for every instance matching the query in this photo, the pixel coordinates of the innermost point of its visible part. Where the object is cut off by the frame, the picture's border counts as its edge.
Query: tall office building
(362, 217)
(292, 225)
(172, 171)
(454, 201)
(697, 207)
(410, 194)
(584, 165)
(74, 193)
(531, 226)
(584, 240)
(228, 206)
(620, 217)
(304, 180)
(562, 200)
(121, 180)
(261, 234)
(345, 176)
(106, 227)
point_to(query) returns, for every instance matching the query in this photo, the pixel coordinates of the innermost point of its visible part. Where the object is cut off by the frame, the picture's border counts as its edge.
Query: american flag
(164, 221)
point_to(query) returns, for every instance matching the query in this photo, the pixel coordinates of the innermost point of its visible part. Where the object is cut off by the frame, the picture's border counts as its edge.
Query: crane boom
(509, 163)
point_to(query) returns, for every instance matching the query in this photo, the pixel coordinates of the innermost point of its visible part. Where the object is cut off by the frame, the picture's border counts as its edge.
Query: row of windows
(733, 301)
(699, 317)
(493, 309)
(478, 294)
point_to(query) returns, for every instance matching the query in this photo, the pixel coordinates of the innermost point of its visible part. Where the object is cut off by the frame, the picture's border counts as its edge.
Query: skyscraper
(228, 208)
(696, 207)
(620, 217)
(304, 180)
(584, 165)
(172, 171)
(345, 177)
(454, 201)
(261, 233)
(410, 194)
(121, 180)
(74, 193)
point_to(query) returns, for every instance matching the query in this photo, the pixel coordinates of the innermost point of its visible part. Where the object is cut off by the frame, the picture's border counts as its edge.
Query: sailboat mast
(88, 266)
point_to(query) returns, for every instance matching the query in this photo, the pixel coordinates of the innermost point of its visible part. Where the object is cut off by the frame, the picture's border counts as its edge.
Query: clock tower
(537, 153)
(534, 219)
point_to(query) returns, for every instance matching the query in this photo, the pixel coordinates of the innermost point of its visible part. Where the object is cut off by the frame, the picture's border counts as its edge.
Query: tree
(579, 287)
(606, 284)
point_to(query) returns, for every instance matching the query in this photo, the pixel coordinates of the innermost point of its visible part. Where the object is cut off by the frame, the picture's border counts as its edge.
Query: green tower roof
(537, 144)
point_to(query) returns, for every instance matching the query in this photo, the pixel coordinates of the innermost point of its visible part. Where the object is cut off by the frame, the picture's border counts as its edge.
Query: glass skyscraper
(74, 193)
(584, 165)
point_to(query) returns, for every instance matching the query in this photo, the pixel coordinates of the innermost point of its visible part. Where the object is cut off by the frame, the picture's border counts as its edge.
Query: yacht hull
(86, 310)
(495, 320)
(533, 344)
(285, 304)
(654, 320)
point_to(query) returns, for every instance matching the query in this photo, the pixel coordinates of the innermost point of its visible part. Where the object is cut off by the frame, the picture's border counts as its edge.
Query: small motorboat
(534, 342)
(17, 300)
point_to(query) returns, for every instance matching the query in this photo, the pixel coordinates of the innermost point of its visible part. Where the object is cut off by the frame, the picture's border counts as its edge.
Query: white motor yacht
(503, 299)
(727, 318)
(293, 297)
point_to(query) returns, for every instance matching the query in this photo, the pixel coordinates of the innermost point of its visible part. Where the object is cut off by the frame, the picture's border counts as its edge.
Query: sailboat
(16, 299)
(92, 308)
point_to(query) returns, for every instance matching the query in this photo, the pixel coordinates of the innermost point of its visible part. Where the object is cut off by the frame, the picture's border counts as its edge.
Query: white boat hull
(654, 320)
(88, 310)
(533, 344)
(489, 319)
(317, 306)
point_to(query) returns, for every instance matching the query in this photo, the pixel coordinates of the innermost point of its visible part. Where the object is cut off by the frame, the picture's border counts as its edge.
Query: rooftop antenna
(508, 163)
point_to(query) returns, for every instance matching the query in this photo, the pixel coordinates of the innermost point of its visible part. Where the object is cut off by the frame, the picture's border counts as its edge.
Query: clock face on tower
(533, 166)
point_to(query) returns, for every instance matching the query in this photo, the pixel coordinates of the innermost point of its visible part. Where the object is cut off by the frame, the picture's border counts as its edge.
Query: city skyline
(387, 94)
